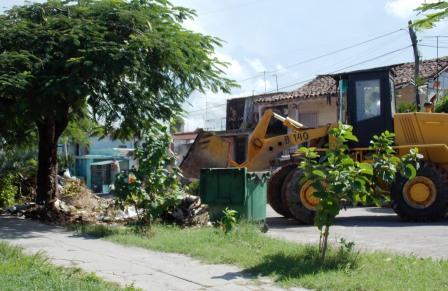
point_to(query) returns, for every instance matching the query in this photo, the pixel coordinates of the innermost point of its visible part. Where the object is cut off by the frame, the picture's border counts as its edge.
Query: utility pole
(276, 80)
(416, 63)
(264, 77)
(437, 72)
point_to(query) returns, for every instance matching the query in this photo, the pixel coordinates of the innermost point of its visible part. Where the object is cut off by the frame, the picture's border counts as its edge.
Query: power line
(372, 59)
(427, 45)
(342, 49)
(347, 67)
(327, 54)
(210, 107)
(435, 36)
(348, 61)
(307, 80)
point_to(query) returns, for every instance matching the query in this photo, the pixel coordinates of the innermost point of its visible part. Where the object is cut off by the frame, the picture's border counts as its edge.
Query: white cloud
(404, 8)
(234, 68)
(194, 25)
(280, 68)
(257, 65)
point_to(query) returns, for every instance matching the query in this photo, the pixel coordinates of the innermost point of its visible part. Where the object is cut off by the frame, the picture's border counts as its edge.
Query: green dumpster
(236, 189)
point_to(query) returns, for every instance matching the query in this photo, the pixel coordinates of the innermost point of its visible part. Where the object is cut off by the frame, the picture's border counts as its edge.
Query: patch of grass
(22, 272)
(287, 263)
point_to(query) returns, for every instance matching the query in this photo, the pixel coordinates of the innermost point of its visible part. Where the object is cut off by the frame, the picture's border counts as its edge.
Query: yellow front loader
(424, 198)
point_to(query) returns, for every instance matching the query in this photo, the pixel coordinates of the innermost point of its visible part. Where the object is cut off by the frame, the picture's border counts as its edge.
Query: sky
(279, 43)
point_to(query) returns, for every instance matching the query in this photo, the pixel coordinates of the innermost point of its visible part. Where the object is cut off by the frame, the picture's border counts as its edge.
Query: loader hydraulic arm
(262, 150)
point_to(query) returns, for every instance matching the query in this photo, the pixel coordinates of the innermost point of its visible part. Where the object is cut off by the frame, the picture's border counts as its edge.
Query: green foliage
(405, 107)
(64, 162)
(228, 221)
(153, 187)
(8, 190)
(34, 272)
(387, 165)
(337, 177)
(80, 129)
(19, 167)
(193, 188)
(109, 55)
(442, 105)
(126, 64)
(433, 13)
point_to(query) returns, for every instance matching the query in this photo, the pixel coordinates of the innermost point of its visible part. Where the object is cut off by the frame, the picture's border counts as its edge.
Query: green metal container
(236, 189)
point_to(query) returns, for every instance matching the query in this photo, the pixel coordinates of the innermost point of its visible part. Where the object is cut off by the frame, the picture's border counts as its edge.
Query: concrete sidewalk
(125, 265)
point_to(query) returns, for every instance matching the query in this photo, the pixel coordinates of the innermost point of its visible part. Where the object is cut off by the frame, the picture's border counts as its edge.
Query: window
(368, 99)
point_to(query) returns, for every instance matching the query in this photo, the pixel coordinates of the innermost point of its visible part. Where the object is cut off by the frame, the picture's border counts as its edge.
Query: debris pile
(189, 212)
(77, 204)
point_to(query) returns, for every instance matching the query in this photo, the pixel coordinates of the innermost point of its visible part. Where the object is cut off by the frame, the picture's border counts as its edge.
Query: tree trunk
(49, 132)
(325, 242)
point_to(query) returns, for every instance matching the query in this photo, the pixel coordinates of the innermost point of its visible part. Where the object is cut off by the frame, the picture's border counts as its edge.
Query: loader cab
(367, 102)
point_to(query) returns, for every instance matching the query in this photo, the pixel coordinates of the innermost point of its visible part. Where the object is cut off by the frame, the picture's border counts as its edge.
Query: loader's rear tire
(423, 198)
(275, 189)
(297, 197)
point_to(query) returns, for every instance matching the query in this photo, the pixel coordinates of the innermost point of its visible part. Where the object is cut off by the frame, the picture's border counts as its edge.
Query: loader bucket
(207, 151)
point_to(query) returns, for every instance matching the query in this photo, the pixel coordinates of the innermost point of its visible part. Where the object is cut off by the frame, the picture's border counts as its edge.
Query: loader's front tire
(275, 190)
(423, 198)
(296, 197)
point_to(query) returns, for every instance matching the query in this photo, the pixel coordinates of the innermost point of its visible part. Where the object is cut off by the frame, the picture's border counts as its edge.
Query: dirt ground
(371, 229)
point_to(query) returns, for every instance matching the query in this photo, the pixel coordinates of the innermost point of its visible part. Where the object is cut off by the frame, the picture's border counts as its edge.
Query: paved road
(371, 229)
(125, 265)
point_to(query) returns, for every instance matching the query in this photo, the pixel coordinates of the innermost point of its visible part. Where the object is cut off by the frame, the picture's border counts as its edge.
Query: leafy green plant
(229, 220)
(152, 187)
(8, 190)
(338, 177)
(21, 164)
(405, 107)
(193, 188)
(385, 162)
(442, 105)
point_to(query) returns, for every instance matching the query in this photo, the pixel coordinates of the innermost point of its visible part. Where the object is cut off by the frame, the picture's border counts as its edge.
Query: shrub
(405, 107)
(338, 177)
(8, 190)
(442, 105)
(152, 188)
(228, 221)
(193, 188)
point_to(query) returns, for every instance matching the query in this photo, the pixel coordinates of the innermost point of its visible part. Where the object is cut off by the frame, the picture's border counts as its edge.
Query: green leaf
(319, 173)
(350, 136)
(366, 168)
(409, 171)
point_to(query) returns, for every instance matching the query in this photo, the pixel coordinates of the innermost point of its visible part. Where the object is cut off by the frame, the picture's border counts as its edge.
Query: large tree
(432, 14)
(128, 64)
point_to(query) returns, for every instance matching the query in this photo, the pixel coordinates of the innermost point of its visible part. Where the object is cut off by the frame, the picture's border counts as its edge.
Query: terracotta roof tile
(325, 85)
(404, 73)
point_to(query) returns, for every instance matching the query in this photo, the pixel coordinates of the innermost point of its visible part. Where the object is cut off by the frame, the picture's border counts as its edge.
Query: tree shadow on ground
(91, 231)
(283, 266)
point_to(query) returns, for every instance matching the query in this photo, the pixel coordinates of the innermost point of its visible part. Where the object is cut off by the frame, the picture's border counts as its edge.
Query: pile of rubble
(189, 212)
(77, 204)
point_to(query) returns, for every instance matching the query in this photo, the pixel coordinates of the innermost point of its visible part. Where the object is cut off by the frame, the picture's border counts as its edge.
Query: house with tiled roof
(316, 102)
